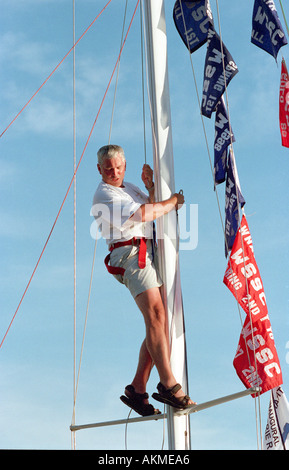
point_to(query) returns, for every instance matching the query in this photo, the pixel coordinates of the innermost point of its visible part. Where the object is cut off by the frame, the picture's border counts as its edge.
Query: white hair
(109, 151)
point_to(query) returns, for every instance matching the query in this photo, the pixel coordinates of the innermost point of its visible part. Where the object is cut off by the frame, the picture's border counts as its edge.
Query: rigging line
(239, 220)
(84, 330)
(207, 146)
(93, 263)
(116, 81)
(74, 225)
(177, 279)
(148, 91)
(126, 425)
(142, 80)
(208, 149)
(258, 414)
(210, 161)
(204, 128)
(242, 241)
(54, 70)
(283, 12)
(164, 430)
(72, 179)
(225, 81)
(228, 110)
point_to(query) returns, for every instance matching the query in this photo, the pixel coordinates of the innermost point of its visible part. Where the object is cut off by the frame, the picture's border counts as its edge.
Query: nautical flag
(223, 138)
(267, 31)
(192, 20)
(284, 105)
(233, 198)
(220, 68)
(256, 360)
(242, 276)
(277, 430)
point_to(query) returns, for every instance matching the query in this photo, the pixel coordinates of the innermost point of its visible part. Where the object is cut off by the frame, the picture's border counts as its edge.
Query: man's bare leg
(143, 371)
(151, 305)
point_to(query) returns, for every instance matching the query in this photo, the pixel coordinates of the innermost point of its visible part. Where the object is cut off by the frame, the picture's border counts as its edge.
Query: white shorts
(135, 279)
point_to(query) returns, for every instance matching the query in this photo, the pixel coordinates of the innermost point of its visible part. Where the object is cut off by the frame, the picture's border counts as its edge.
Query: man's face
(112, 170)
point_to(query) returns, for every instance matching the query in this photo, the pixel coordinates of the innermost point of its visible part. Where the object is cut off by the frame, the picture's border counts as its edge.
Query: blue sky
(36, 167)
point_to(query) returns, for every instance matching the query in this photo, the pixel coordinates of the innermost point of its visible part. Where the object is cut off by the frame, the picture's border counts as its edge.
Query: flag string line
(206, 140)
(72, 179)
(54, 70)
(242, 241)
(243, 251)
(284, 16)
(210, 160)
(203, 125)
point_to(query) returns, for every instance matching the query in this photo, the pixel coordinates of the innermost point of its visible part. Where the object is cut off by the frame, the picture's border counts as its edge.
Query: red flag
(256, 360)
(242, 276)
(284, 105)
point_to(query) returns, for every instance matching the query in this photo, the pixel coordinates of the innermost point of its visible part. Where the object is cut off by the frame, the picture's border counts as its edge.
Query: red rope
(54, 70)
(74, 174)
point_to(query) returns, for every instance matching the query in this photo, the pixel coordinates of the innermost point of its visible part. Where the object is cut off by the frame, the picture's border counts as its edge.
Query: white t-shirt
(112, 208)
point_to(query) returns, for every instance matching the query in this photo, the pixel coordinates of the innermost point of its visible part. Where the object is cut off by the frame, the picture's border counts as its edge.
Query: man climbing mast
(125, 215)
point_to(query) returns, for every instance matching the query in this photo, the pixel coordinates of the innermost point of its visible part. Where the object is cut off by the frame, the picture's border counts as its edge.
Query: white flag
(277, 429)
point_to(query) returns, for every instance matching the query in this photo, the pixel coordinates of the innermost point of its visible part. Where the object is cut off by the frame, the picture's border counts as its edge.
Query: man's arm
(151, 211)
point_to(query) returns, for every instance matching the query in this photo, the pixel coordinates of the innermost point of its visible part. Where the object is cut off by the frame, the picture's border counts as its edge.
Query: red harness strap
(141, 255)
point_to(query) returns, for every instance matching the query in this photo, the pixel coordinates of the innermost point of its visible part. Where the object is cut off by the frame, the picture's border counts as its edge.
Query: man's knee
(156, 317)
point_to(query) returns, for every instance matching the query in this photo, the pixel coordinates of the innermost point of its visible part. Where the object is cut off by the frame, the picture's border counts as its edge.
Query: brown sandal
(167, 396)
(136, 401)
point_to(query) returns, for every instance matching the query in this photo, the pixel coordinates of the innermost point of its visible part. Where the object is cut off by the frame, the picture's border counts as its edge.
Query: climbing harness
(140, 242)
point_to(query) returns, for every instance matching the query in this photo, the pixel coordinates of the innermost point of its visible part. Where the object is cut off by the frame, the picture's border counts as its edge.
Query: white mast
(178, 426)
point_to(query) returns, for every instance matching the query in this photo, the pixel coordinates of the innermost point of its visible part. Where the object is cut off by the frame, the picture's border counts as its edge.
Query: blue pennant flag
(223, 138)
(233, 198)
(216, 79)
(192, 20)
(267, 31)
